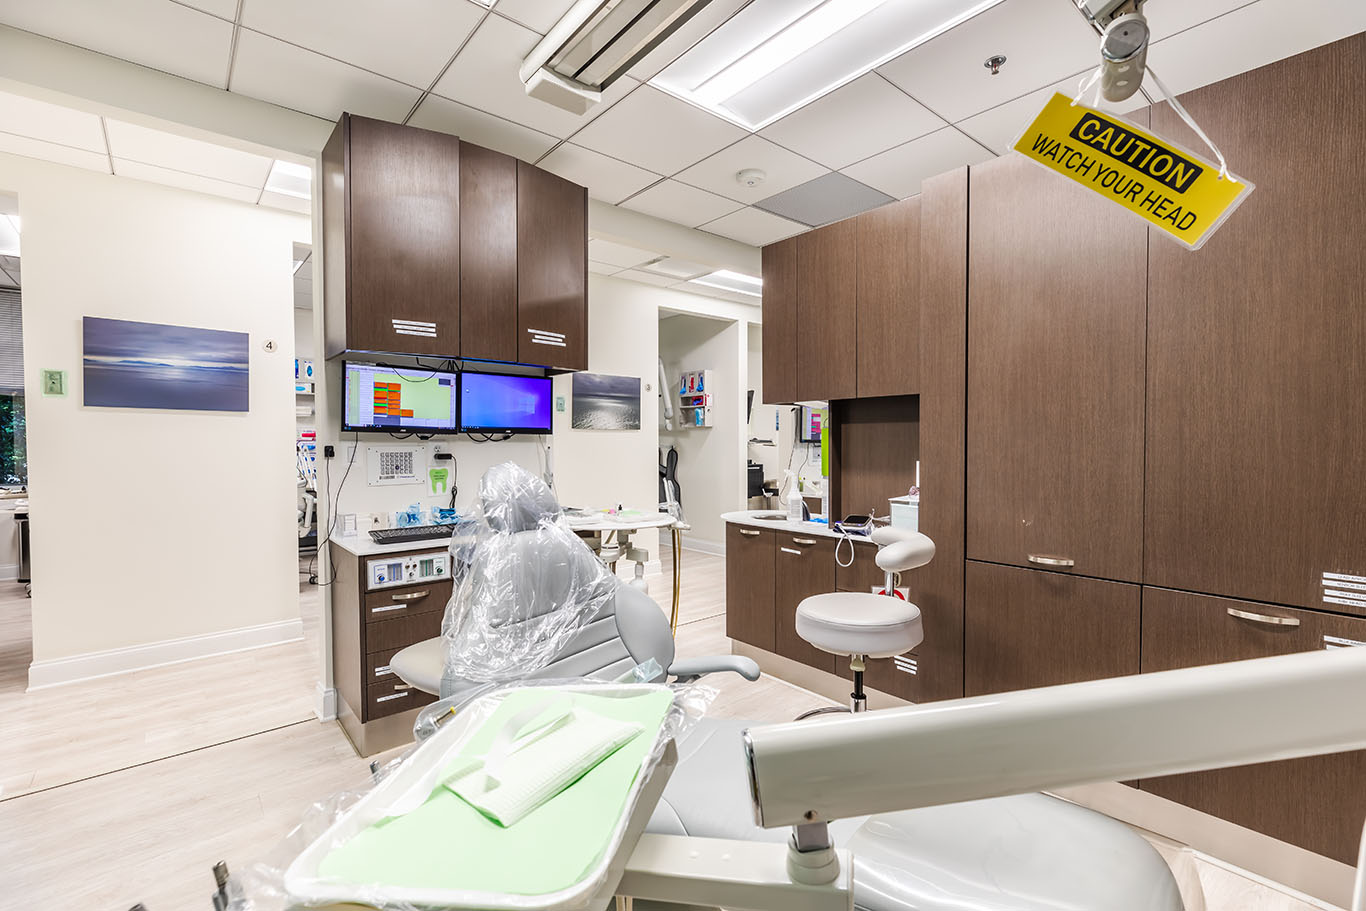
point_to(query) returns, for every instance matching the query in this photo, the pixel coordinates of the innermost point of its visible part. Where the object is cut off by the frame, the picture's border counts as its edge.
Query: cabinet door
(552, 270)
(802, 567)
(1026, 628)
(403, 239)
(1055, 374)
(749, 585)
(488, 254)
(780, 322)
(889, 299)
(1317, 803)
(827, 321)
(1256, 437)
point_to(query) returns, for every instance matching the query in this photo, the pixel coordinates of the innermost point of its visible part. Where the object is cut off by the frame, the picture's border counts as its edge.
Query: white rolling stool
(864, 625)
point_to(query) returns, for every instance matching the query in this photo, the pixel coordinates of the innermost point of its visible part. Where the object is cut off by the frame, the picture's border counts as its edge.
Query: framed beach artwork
(603, 402)
(152, 365)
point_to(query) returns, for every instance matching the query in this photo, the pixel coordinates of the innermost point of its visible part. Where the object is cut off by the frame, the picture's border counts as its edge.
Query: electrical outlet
(329, 451)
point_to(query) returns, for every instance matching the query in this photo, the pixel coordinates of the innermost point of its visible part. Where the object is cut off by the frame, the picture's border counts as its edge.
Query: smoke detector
(750, 177)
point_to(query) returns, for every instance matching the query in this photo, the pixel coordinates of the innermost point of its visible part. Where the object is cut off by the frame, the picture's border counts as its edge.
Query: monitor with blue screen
(499, 403)
(399, 399)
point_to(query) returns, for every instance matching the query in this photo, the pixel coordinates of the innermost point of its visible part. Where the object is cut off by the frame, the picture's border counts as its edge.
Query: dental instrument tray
(529, 798)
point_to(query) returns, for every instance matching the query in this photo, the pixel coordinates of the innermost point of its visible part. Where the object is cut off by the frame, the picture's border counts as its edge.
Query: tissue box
(905, 512)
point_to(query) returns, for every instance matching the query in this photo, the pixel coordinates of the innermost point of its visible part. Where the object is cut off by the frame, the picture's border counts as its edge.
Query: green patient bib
(447, 844)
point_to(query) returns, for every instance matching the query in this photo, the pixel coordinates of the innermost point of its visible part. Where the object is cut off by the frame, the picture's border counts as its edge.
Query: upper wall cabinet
(888, 310)
(391, 233)
(1256, 374)
(437, 247)
(827, 327)
(780, 321)
(1056, 298)
(552, 270)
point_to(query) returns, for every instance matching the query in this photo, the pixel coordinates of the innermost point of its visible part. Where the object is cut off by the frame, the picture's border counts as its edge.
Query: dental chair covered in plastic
(1028, 852)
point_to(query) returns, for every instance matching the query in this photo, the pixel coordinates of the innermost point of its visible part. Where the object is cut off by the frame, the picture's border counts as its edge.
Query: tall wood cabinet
(1056, 308)
(1256, 433)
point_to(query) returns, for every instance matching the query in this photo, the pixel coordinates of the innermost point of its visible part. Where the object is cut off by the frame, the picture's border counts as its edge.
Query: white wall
(762, 418)
(154, 525)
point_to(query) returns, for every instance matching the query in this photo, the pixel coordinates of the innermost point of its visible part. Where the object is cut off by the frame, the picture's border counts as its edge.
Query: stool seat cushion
(859, 623)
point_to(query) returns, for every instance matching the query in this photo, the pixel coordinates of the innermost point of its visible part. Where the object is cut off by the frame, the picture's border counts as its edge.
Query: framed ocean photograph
(152, 365)
(603, 402)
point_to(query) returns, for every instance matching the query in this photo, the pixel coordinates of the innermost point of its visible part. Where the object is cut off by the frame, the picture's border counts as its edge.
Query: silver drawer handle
(803, 540)
(1045, 560)
(1263, 618)
(749, 534)
(402, 686)
(383, 671)
(393, 697)
(790, 550)
(411, 596)
(380, 610)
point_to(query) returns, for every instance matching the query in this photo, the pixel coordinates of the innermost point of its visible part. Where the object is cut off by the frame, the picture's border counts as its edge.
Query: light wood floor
(128, 789)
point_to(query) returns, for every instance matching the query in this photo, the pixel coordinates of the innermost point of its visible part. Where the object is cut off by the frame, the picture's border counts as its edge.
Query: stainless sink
(770, 516)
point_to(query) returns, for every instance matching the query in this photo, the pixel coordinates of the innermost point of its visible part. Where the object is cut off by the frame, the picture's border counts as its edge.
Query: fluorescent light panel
(736, 282)
(776, 56)
(289, 179)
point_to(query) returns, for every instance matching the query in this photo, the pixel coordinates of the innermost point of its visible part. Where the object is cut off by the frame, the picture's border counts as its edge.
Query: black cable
(332, 524)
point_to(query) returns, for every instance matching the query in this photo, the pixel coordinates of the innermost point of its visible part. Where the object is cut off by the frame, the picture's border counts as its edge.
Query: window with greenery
(13, 450)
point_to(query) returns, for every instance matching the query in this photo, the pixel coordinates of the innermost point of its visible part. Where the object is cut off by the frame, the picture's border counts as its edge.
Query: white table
(613, 533)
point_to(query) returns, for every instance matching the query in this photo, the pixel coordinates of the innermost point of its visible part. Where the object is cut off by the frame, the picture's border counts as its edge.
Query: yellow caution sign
(1162, 183)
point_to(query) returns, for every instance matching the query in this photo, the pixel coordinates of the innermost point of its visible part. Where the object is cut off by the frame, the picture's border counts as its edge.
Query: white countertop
(362, 545)
(814, 529)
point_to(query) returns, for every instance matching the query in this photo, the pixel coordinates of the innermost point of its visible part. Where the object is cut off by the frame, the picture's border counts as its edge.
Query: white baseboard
(701, 545)
(9, 572)
(59, 671)
(325, 703)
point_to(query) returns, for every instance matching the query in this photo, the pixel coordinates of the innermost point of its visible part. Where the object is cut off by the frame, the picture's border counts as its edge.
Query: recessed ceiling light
(290, 179)
(727, 280)
(775, 56)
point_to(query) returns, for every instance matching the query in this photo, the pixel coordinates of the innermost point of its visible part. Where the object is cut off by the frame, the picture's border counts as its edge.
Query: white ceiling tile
(437, 113)
(681, 204)
(154, 33)
(999, 127)
(407, 40)
(867, 116)
(899, 171)
(657, 131)
(51, 151)
(1043, 41)
(648, 278)
(171, 178)
(703, 23)
(1166, 19)
(271, 70)
(606, 178)
(166, 150)
(485, 76)
(50, 123)
(754, 227)
(286, 202)
(537, 15)
(1253, 36)
(620, 255)
(678, 269)
(603, 268)
(784, 170)
(224, 9)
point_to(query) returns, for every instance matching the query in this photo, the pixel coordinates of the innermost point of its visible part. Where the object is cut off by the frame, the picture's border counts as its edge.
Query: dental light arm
(1106, 730)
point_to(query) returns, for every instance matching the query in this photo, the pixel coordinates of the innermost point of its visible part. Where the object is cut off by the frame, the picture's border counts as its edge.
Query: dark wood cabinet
(552, 270)
(779, 326)
(1256, 432)
(1027, 628)
(1055, 374)
(827, 321)
(488, 254)
(1317, 803)
(391, 212)
(750, 581)
(803, 567)
(888, 304)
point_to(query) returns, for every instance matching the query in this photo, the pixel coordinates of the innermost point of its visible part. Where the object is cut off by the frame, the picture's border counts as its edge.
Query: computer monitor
(504, 403)
(810, 428)
(387, 399)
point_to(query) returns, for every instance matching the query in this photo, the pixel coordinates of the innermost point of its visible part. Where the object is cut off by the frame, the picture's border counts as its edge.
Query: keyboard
(411, 534)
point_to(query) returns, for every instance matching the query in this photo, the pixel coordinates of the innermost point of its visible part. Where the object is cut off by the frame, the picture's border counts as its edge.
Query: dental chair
(1029, 852)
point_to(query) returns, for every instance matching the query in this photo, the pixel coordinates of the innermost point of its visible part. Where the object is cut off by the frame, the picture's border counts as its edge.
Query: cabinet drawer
(377, 666)
(749, 585)
(1317, 803)
(803, 566)
(392, 603)
(1025, 628)
(391, 635)
(392, 697)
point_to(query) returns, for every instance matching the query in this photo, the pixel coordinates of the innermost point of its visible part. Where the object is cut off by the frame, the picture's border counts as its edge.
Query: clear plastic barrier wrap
(409, 843)
(525, 582)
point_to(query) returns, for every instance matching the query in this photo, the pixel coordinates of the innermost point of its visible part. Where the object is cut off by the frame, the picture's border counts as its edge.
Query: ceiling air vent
(596, 42)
